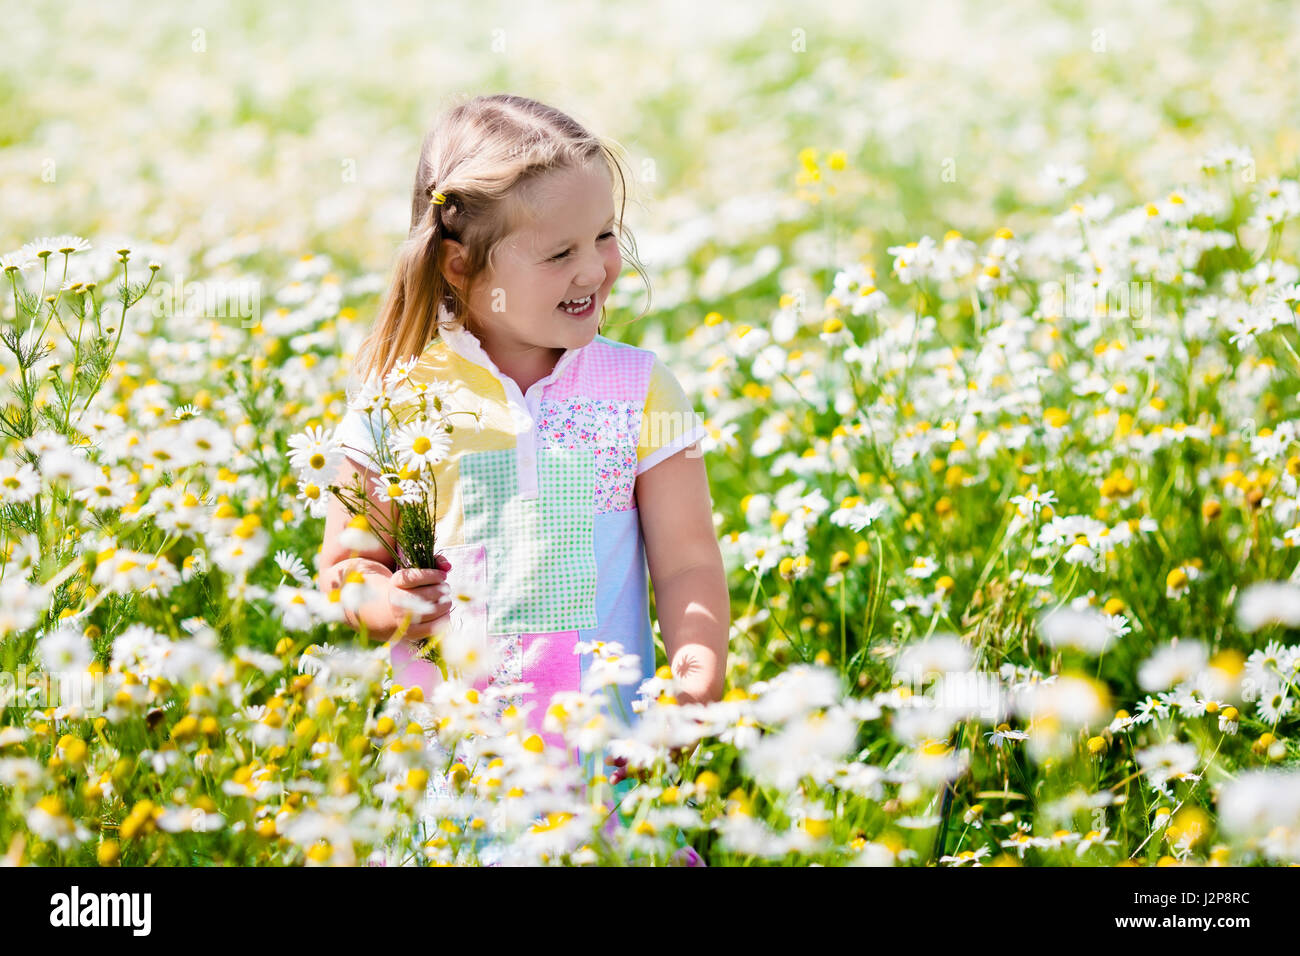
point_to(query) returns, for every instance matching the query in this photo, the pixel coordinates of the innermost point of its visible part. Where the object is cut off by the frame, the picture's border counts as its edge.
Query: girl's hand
(420, 594)
(677, 755)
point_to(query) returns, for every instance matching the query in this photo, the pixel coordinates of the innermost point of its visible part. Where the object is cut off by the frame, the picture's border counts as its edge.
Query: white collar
(467, 345)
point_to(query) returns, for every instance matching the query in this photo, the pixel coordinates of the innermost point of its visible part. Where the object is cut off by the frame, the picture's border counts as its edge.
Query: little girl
(584, 468)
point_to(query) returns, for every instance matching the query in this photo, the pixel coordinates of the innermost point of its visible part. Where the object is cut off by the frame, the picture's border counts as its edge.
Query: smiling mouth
(579, 308)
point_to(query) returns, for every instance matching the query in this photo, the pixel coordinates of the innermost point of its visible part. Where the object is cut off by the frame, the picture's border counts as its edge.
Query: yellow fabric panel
(449, 517)
(472, 388)
(667, 415)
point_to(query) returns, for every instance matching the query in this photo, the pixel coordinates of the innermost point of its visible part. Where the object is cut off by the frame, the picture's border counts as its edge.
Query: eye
(561, 255)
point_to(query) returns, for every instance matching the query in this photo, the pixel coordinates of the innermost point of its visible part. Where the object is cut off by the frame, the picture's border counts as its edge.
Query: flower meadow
(1010, 514)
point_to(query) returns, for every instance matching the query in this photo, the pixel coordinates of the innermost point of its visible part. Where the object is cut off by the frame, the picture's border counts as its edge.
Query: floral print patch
(610, 429)
(509, 668)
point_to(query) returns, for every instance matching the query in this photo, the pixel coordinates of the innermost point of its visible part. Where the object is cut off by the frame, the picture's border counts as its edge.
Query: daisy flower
(202, 441)
(48, 245)
(392, 487)
(18, 482)
(174, 508)
(610, 669)
(956, 258)
(1004, 732)
(421, 444)
(315, 455)
(467, 649)
(61, 463)
(1094, 838)
(913, 260)
(1061, 178)
(1083, 628)
(314, 495)
(938, 654)
(1148, 709)
(1227, 157)
(1229, 720)
(1172, 664)
(357, 535)
(1170, 761)
(1274, 704)
(922, 568)
(1269, 667)
(19, 259)
(292, 565)
(239, 555)
(1033, 500)
(1268, 602)
(856, 286)
(856, 514)
(297, 606)
(108, 492)
(400, 370)
(835, 333)
(65, 650)
(742, 734)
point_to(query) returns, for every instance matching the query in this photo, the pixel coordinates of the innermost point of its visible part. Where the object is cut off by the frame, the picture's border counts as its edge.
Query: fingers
(429, 592)
(430, 614)
(620, 771)
(408, 578)
(422, 603)
(419, 630)
(423, 606)
(410, 586)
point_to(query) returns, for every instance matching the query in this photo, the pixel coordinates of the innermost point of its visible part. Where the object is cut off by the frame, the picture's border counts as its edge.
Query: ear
(453, 263)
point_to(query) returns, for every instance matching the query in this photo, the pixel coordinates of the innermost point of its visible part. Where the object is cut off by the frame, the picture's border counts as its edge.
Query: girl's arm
(378, 614)
(685, 562)
(374, 562)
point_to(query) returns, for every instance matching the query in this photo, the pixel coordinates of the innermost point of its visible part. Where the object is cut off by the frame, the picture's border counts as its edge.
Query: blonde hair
(475, 158)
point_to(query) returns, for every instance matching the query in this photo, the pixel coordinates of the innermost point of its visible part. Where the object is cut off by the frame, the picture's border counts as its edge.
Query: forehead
(560, 205)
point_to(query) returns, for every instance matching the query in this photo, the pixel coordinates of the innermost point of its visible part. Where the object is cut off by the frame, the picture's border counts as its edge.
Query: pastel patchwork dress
(536, 508)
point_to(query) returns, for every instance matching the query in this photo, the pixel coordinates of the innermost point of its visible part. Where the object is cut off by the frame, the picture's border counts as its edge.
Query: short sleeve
(358, 433)
(668, 421)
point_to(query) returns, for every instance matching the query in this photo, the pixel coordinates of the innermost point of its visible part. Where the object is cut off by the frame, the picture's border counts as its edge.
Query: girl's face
(568, 253)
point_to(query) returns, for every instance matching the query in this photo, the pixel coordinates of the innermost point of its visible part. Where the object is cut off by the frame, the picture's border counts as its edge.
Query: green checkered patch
(541, 554)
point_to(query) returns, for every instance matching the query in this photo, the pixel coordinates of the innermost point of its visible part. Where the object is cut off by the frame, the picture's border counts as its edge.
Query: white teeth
(577, 305)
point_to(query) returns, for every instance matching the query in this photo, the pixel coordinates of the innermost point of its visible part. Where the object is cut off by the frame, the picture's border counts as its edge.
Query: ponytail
(408, 317)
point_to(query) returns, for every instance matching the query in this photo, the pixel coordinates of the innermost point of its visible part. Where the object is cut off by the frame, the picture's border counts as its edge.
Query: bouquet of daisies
(402, 429)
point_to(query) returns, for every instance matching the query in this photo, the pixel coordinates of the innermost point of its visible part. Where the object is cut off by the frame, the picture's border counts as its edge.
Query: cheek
(613, 264)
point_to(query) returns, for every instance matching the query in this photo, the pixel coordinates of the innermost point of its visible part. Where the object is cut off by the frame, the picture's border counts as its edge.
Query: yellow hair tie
(438, 199)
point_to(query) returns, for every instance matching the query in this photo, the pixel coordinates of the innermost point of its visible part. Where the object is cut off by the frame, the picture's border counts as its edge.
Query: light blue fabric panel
(622, 601)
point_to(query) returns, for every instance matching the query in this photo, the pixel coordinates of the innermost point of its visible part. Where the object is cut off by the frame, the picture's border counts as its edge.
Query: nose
(593, 271)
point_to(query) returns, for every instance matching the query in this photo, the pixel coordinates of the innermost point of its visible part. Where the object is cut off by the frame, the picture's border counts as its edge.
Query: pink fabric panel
(604, 371)
(410, 671)
(549, 665)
